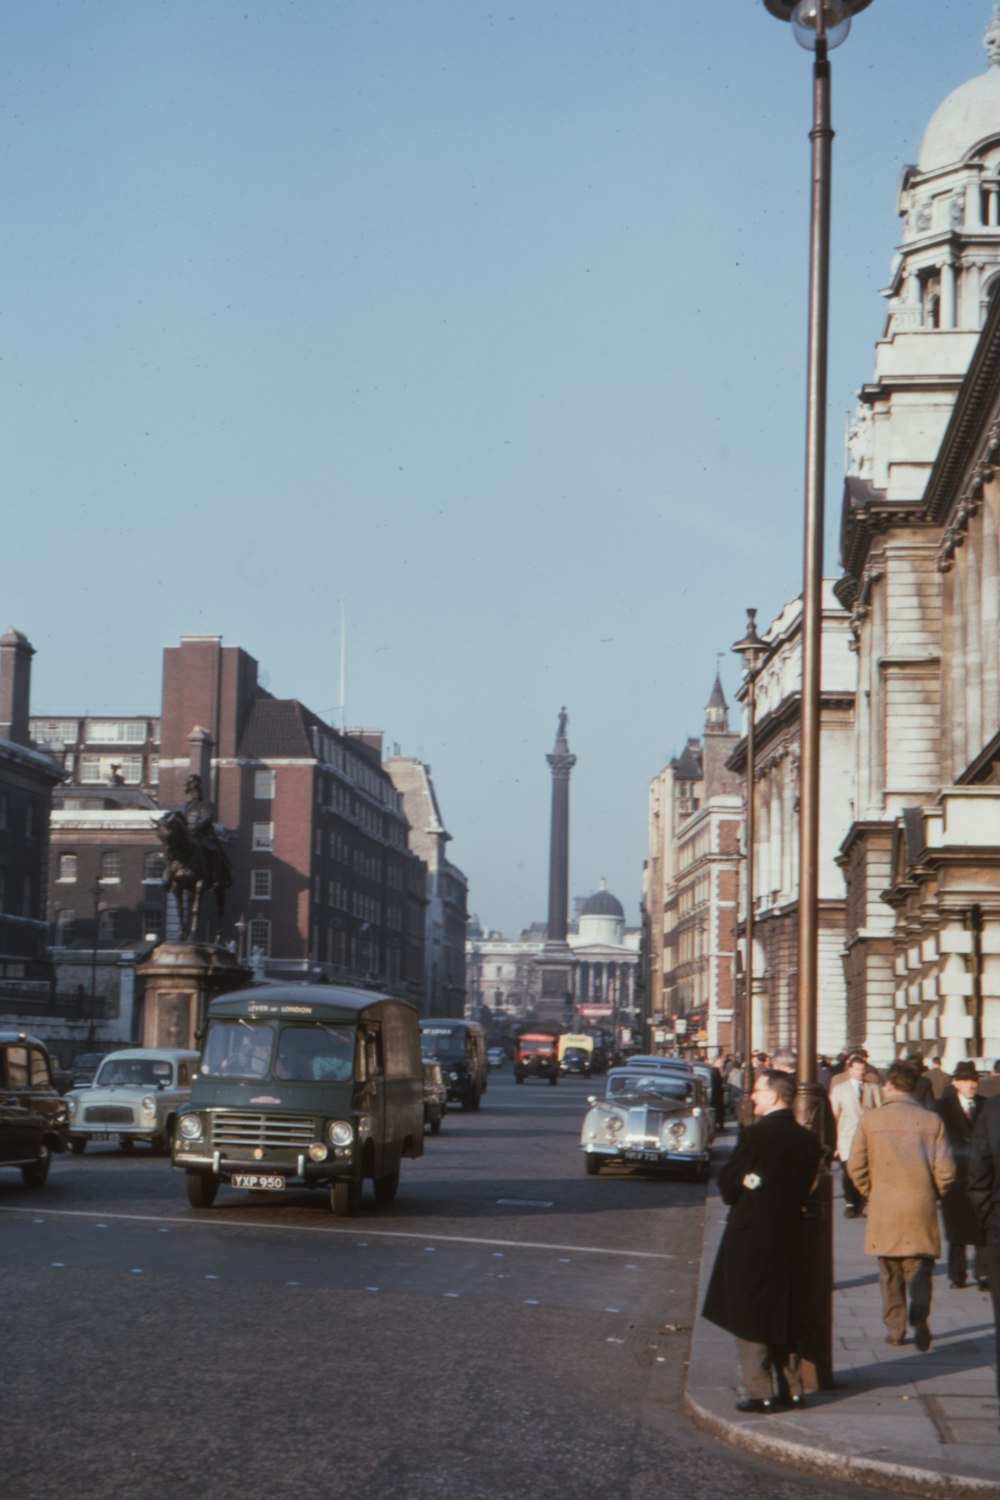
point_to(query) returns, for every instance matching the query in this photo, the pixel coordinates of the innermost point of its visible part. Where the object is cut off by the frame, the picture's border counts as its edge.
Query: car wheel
(345, 1198)
(202, 1188)
(385, 1188)
(161, 1143)
(35, 1174)
(125, 1143)
(554, 1079)
(518, 1078)
(592, 1164)
(78, 1144)
(477, 1099)
(436, 1126)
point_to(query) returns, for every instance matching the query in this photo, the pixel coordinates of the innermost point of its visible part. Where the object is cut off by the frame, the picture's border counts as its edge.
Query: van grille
(109, 1114)
(232, 1129)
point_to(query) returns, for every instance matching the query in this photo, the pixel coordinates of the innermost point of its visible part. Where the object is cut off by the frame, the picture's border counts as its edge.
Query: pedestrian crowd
(912, 1141)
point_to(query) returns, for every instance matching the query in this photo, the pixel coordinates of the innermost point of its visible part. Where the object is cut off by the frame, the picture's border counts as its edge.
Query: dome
(602, 904)
(970, 113)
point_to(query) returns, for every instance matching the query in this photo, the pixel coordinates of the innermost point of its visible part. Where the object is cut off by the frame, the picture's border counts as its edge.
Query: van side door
(373, 1092)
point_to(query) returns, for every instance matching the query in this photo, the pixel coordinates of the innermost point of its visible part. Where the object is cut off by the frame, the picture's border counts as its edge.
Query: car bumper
(646, 1156)
(301, 1169)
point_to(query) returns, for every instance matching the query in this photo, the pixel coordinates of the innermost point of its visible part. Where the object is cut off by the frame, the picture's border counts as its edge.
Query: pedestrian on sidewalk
(938, 1079)
(753, 1290)
(984, 1191)
(902, 1163)
(852, 1097)
(960, 1108)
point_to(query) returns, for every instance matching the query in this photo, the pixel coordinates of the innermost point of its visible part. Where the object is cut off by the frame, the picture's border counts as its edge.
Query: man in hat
(960, 1108)
(938, 1078)
(902, 1163)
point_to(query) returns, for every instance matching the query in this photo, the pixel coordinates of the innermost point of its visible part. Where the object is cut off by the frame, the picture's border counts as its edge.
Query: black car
(33, 1117)
(85, 1067)
(576, 1060)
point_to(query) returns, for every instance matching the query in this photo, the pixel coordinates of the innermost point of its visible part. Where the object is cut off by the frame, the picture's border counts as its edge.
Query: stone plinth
(180, 979)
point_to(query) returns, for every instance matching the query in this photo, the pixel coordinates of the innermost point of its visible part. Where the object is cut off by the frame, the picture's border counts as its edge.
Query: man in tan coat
(902, 1163)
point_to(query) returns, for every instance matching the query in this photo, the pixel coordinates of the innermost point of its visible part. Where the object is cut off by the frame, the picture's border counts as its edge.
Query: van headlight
(71, 1104)
(340, 1133)
(148, 1106)
(317, 1151)
(189, 1128)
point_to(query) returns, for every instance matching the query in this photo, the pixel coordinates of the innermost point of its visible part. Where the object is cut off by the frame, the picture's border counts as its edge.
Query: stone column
(561, 763)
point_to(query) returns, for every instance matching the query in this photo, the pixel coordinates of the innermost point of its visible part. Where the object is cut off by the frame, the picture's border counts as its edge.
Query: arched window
(111, 865)
(68, 867)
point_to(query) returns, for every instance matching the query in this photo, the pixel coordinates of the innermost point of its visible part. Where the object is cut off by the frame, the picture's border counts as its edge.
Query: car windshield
(438, 1042)
(316, 1052)
(141, 1072)
(664, 1085)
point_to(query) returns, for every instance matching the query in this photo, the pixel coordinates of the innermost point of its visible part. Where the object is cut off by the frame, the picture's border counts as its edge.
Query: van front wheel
(345, 1198)
(202, 1188)
(385, 1188)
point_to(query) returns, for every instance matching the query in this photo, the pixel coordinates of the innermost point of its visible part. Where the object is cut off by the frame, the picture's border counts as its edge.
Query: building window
(152, 922)
(152, 866)
(54, 732)
(106, 924)
(260, 885)
(260, 936)
(263, 785)
(111, 865)
(263, 835)
(115, 732)
(68, 867)
(154, 770)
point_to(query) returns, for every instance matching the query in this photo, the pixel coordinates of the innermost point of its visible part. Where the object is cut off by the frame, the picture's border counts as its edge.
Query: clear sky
(486, 316)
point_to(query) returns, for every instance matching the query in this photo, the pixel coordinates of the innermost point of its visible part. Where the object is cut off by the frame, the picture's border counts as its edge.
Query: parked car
(83, 1068)
(496, 1057)
(136, 1095)
(435, 1095)
(32, 1112)
(651, 1117)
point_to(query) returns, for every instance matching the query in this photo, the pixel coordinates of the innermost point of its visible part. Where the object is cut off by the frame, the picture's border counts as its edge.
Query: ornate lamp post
(818, 25)
(753, 651)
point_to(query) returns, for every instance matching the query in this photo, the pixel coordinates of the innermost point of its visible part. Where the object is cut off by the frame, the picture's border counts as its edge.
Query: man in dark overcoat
(960, 1108)
(753, 1289)
(983, 1186)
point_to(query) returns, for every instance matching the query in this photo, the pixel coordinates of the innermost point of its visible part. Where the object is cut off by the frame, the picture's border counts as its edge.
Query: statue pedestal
(180, 979)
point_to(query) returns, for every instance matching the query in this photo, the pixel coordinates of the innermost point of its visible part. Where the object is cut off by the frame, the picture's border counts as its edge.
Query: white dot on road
(612, 1309)
(498, 1255)
(293, 1283)
(531, 1302)
(38, 1221)
(211, 1278)
(371, 1288)
(451, 1294)
(136, 1270)
(58, 1265)
(565, 1260)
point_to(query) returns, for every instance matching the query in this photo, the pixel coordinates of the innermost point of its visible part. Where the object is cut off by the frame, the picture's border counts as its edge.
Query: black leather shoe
(760, 1406)
(958, 1286)
(921, 1335)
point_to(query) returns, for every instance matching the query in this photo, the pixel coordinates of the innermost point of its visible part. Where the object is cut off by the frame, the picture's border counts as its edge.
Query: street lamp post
(818, 25)
(753, 650)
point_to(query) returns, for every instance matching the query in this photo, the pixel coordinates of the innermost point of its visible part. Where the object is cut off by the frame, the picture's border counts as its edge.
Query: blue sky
(487, 319)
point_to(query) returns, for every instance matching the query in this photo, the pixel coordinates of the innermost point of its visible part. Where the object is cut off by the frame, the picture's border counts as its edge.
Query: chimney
(16, 652)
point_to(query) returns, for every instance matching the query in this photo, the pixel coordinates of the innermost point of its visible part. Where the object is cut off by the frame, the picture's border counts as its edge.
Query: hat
(965, 1070)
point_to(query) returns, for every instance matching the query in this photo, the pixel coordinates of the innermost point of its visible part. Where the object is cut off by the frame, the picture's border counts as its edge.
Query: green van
(303, 1084)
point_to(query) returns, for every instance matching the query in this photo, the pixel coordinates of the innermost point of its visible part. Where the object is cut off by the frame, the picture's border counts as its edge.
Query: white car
(135, 1096)
(496, 1057)
(651, 1117)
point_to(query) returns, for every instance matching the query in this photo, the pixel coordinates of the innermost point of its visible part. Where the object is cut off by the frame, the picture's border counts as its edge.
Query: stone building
(920, 527)
(447, 889)
(690, 897)
(778, 691)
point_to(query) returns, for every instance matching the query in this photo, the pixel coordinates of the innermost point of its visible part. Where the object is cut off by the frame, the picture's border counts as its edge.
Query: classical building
(921, 559)
(778, 692)
(446, 913)
(690, 893)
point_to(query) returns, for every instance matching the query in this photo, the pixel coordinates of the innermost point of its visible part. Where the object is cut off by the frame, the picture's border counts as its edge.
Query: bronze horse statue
(195, 862)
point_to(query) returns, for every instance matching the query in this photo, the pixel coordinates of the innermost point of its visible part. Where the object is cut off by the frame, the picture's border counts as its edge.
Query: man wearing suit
(984, 1191)
(849, 1100)
(960, 1109)
(753, 1289)
(902, 1163)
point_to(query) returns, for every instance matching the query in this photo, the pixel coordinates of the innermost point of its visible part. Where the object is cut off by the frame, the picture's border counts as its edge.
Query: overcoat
(848, 1108)
(753, 1289)
(984, 1168)
(961, 1227)
(902, 1163)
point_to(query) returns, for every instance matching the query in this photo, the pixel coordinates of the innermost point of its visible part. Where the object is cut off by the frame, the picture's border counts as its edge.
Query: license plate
(103, 1135)
(259, 1180)
(633, 1154)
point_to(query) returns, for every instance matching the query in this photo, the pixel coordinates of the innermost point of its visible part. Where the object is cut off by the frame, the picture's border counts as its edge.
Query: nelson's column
(555, 963)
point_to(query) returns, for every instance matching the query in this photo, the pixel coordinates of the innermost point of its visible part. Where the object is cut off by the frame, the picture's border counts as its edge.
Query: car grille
(233, 1129)
(109, 1114)
(644, 1126)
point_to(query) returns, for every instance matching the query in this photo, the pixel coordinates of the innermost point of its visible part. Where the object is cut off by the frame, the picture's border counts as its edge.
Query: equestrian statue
(195, 860)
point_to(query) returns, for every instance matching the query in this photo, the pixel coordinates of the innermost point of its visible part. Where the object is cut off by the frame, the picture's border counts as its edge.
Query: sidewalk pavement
(911, 1423)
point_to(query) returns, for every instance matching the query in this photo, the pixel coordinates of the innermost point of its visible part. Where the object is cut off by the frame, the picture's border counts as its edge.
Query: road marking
(382, 1234)
(525, 1203)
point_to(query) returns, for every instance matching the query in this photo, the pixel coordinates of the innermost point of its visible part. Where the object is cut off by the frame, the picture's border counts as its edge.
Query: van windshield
(310, 1053)
(446, 1045)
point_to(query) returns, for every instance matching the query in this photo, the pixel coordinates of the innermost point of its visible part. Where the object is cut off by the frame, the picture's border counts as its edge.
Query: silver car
(655, 1117)
(135, 1096)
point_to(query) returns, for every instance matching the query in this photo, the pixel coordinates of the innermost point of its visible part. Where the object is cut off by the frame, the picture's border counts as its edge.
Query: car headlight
(453, 1077)
(364, 1127)
(613, 1124)
(340, 1133)
(317, 1151)
(148, 1106)
(189, 1128)
(71, 1108)
(677, 1128)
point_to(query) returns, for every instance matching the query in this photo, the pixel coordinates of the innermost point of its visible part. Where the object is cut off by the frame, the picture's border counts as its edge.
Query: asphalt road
(508, 1328)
